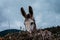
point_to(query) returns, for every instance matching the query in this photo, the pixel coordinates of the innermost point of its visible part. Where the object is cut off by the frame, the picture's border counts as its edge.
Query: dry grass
(26, 36)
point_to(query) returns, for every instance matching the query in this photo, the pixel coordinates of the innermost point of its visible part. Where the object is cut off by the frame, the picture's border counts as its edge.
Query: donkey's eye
(32, 23)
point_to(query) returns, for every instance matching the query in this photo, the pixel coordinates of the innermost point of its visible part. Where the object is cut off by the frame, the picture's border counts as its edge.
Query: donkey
(29, 22)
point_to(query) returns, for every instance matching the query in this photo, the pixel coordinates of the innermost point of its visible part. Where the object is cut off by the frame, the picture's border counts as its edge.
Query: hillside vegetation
(24, 35)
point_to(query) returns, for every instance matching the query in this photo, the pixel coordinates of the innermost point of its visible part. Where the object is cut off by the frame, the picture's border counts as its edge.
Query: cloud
(11, 25)
(38, 18)
(48, 10)
(45, 12)
(36, 5)
(9, 11)
(3, 26)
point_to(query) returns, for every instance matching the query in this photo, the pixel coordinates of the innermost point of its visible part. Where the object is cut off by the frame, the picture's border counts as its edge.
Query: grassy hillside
(24, 35)
(54, 29)
(3, 33)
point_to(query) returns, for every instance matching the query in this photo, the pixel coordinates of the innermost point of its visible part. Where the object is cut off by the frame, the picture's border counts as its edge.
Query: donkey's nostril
(32, 23)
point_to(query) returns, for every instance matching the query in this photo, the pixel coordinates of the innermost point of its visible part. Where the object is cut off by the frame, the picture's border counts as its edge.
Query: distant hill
(3, 33)
(54, 29)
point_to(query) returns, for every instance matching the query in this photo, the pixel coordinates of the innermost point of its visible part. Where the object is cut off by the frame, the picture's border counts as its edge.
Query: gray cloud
(45, 12)
(48, 11)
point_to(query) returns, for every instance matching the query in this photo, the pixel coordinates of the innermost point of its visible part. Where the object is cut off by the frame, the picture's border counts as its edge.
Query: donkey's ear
(23, 12)
(30, 10)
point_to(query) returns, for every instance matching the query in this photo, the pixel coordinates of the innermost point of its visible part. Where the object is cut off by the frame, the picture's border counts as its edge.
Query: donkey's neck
(34, 29)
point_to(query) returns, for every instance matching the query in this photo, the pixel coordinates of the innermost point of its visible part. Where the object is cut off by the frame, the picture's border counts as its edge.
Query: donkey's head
(29, 19)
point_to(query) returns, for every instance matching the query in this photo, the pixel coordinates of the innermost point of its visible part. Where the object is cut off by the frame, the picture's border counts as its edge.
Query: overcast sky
(46, 13)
